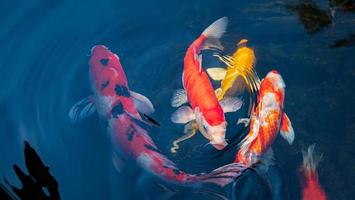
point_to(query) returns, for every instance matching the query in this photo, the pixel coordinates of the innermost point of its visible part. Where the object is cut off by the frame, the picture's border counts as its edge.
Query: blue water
(44, 48)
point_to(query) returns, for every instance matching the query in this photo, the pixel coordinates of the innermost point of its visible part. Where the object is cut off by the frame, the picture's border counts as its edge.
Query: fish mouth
(215, 134)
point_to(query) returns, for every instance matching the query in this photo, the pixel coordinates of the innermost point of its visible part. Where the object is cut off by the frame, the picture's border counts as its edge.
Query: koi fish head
(273, 84)
(214, 133)
(105, 71)
(217, 136)
(278, 84)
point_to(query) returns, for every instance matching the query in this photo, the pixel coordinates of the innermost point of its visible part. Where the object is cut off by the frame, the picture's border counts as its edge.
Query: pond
(45, 48)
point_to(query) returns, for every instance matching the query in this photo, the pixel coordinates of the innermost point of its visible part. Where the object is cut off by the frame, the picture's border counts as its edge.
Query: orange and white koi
(204, 107)
(267, 120)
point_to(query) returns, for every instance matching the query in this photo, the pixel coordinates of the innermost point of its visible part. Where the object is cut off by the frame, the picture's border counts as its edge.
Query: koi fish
(240, 64)
(267, 120)
(311, 189)
(122, 109)
(204, 107)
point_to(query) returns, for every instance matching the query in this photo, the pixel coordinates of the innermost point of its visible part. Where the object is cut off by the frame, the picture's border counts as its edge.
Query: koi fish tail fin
(222, 176)
(311, 188)
(244, 145)
(214, 32)
(310, 162)
(216, 29)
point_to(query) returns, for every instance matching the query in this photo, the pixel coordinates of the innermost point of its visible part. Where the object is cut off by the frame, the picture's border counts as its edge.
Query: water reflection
(311, 16)
(345, 42)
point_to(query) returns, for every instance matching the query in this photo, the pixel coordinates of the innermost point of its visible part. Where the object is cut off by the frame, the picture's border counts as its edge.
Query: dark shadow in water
(311, 16)
(251, 186)
(5, 194)
(345, 5)
(345, 42)
(39, 184)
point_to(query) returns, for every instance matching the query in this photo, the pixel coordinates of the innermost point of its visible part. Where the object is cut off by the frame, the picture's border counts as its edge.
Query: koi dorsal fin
(286, 129)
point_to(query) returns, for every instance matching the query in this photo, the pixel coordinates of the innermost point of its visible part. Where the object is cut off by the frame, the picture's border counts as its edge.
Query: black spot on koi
(117, 110)
(122, 90)
(104, 61)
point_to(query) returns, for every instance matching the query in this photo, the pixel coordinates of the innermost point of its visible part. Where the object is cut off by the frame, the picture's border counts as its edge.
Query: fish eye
(205, 124)
(104, 61)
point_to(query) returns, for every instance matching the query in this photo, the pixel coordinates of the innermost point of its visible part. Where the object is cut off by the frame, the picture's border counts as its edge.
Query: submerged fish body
(122, 109)
(240, 64)
(199, 93)
(267, 120)
(311, 188)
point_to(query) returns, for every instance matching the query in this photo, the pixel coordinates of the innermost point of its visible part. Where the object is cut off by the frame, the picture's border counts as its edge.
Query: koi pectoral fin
(142, 103)
(231, 104)
(217, 73)
(182, 115)
(82, 109)
(179, 98)
(286, 130)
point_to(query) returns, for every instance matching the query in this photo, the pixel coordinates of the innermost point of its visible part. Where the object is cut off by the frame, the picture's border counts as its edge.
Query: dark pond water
(44, 48)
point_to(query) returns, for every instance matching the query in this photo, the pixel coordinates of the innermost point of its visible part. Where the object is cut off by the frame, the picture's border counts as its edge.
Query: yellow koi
(240, 64)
